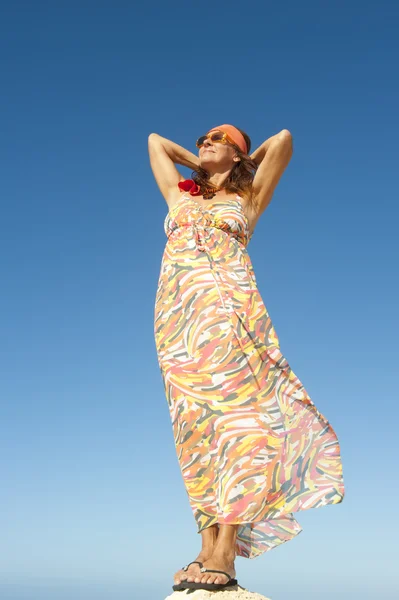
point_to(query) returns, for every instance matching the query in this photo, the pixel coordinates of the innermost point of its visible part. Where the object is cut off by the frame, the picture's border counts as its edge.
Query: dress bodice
(227, 215)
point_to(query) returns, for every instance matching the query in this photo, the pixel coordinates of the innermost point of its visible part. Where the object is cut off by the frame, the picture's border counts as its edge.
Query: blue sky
(92, 502)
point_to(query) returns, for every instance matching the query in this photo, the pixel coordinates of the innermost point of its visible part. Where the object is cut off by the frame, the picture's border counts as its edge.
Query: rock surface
(234, 593)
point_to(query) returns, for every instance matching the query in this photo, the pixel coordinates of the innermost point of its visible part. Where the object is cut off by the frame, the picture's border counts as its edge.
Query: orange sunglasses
(215, 136)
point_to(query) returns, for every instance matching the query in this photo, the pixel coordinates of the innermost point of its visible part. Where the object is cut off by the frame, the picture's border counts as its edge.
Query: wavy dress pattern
(251, 445)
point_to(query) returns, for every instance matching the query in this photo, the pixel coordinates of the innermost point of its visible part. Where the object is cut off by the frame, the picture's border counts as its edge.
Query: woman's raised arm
(164, 155)
(272, 157)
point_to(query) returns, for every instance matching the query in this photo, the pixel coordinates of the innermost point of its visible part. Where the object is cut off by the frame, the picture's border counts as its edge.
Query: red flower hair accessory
(188, 185)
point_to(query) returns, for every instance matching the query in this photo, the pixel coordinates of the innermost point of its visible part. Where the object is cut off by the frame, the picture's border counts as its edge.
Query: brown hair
(241, 175)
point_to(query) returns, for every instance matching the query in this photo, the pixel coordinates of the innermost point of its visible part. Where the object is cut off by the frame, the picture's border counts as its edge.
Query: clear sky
(92, 502)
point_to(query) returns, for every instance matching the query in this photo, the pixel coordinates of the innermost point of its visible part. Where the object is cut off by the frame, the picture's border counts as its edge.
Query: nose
(207, 142)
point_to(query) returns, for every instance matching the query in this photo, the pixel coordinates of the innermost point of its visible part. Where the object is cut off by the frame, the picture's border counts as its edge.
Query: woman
(251, 445)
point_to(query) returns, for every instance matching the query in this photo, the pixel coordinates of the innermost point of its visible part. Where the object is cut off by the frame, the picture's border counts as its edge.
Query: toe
(180, 576)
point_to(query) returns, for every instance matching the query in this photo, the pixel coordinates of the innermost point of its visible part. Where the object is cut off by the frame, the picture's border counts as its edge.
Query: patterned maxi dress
(251, 445)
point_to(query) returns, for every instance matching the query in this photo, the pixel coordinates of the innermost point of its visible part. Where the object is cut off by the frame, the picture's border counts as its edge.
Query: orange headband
(234, 134)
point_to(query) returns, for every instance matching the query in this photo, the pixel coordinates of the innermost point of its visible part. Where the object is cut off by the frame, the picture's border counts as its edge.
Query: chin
(206, 161)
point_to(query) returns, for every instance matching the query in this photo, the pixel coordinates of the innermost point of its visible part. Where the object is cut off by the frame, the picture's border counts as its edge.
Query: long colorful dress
(251, 445)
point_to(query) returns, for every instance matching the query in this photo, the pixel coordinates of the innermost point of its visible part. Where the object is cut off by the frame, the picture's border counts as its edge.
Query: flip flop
(194, 562)
(179, 586)
(192, 585)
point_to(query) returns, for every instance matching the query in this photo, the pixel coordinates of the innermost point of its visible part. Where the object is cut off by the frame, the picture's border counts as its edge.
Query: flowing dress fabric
(251, 445)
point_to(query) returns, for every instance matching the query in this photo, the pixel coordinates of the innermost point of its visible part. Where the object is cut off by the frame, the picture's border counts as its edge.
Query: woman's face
(217, 155)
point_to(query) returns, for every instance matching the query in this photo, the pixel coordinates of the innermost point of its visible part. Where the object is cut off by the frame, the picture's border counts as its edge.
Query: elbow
(285, 136)
(152, 137)
(154, 140)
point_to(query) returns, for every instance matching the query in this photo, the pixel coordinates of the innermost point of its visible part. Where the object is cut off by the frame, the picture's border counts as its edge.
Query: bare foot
(193, 570)
(221, 563)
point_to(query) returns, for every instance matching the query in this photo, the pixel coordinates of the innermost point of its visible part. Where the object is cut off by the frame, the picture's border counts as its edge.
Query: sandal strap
(205, 570)
(194, 562)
